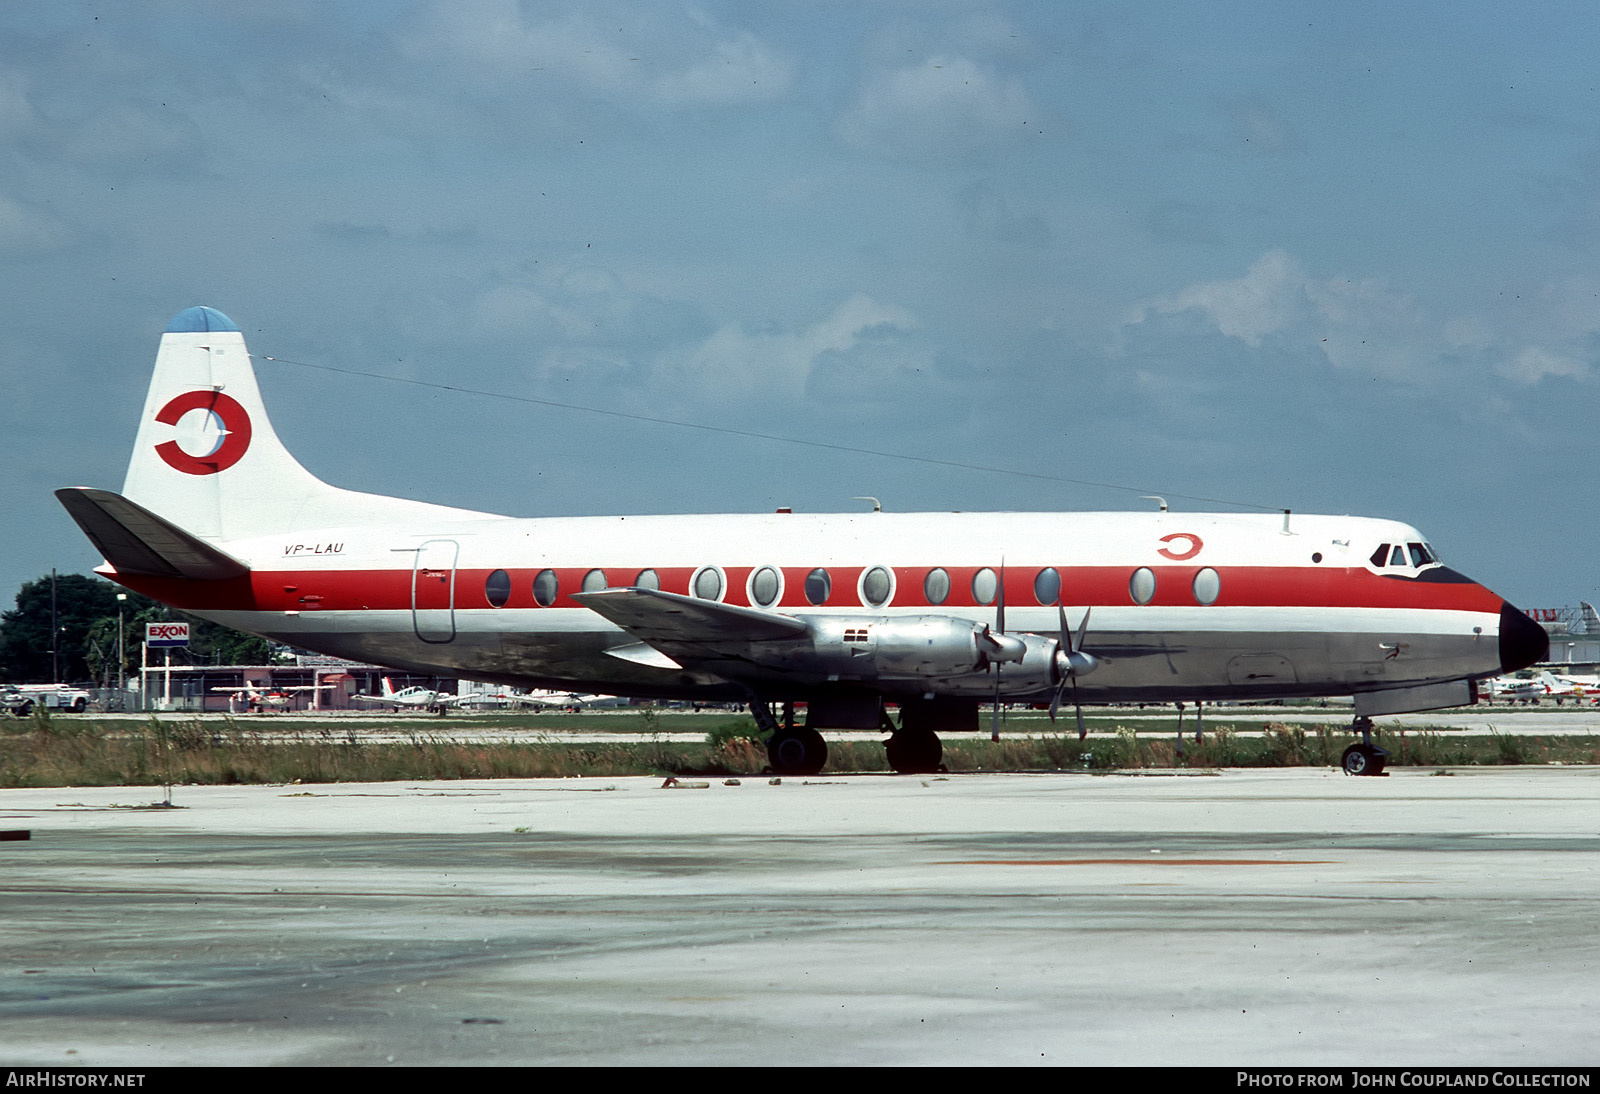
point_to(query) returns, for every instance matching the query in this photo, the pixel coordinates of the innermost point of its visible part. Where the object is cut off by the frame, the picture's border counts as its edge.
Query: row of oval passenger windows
(875, 588)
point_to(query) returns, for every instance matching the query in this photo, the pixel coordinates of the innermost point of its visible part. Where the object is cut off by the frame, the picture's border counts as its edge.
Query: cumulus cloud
(945, 107)
(669, 61)
(1270, 298)
(578, 319)
(735, 363)
(24, 228)
(1535, 363)
(1367, 326)
(16, 109)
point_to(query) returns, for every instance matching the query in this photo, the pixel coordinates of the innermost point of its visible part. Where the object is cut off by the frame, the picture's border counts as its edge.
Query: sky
(1333, 257)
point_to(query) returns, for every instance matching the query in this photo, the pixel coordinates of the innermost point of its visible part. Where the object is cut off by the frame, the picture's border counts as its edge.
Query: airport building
(1574, 636)
(309, 682)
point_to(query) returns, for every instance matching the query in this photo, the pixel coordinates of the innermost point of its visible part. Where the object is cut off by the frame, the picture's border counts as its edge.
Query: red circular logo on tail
(233, 432)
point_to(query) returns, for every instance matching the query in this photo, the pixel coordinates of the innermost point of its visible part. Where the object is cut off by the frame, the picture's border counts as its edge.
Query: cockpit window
(1411, 556)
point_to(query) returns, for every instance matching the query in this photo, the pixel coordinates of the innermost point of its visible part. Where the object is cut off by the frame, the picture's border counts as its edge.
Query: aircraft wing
(688, 629)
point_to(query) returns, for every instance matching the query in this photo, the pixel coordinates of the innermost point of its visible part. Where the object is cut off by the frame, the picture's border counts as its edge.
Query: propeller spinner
(1071, 663)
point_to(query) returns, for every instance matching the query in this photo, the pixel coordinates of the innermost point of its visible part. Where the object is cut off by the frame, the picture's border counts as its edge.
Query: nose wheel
(1365, 758)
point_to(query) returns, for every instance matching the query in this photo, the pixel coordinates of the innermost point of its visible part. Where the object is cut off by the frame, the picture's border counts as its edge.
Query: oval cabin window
(497, 589)
(1142, 585)
(707, 584)
(876, 585)
(764, 586)
(545, 587)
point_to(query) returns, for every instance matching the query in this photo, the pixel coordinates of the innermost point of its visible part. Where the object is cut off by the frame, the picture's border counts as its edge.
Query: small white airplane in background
(861, 617)
(568, 700)
(1577, 688)
(261, 699)
(1545, 686)
(415, 697)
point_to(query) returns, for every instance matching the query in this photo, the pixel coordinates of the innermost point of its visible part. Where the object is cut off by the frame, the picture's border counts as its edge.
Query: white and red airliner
(930, 613)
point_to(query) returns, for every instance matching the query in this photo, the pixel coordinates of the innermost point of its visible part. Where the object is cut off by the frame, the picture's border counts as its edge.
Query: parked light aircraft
(1542, 687)
(932, 613)
(568, 700)
(414, 696)
(257, 698)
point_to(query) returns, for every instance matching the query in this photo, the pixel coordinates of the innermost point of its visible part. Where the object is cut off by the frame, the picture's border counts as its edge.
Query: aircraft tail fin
(207, 457)
(136, 541)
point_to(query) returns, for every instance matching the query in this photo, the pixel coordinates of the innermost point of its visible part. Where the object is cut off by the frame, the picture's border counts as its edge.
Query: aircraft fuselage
(1248, 611)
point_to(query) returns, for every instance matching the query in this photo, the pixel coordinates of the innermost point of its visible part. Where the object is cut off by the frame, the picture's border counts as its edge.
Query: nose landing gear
(1365, 758)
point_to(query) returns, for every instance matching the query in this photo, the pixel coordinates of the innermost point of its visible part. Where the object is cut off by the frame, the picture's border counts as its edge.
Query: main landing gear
(1365, 758)
(913, 751)
(913, 748)
(791, 749)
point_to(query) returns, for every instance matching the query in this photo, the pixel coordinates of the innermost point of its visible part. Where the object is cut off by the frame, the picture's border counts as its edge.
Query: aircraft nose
(1522, 641)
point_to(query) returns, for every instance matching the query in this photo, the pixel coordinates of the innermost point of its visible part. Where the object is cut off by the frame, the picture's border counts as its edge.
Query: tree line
(83, 647)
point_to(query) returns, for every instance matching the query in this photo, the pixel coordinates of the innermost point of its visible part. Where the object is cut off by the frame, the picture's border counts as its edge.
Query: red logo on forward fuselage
(232, 427)
(1178, 556)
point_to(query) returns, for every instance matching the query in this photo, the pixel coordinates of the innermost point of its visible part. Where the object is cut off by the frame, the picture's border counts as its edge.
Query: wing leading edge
(686, 629)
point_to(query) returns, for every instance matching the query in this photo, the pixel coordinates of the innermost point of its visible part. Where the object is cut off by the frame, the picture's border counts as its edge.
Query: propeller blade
(994, 716)
(1083, 730)
(1000, 601)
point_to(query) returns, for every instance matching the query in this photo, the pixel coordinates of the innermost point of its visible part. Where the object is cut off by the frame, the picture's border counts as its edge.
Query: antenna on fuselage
(877, 506)
(1156, 498)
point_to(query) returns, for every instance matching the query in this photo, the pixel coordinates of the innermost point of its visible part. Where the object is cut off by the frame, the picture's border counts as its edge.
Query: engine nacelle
(941, 653)
(1034, 674)
(920, 647)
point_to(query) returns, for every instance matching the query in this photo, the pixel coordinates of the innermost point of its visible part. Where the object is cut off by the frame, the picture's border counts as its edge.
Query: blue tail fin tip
(199, 320)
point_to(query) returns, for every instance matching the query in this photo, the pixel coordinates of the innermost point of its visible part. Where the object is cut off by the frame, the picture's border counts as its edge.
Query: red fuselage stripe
(1241, 586)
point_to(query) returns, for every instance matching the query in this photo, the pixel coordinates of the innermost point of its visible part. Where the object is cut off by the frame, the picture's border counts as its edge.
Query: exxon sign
(157, 635)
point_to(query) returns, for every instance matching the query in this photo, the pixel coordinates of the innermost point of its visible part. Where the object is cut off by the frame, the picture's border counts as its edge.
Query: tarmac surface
(1265, 917)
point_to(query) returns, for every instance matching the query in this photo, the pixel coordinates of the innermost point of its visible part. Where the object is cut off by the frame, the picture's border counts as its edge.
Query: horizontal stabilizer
(687, 629)
(136, 541)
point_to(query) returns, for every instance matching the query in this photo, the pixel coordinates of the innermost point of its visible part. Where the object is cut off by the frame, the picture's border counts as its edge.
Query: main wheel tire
(1362, 760)
(914, 752)
(799, 751)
